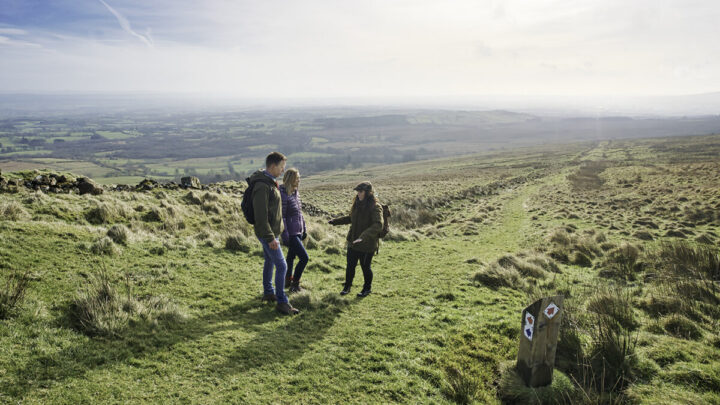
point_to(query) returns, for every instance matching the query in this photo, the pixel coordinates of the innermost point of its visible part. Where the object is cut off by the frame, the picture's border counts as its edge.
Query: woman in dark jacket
(365, 221)
(295, 231)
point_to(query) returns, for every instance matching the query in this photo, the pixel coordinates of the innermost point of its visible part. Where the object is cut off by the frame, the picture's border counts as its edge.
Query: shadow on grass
(271, 344)
(288, 342)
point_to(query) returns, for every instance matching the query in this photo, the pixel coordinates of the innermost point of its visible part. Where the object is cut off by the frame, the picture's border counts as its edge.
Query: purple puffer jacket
(291, 214)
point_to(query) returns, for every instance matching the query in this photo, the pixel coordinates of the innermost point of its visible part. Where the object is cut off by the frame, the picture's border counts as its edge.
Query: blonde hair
(289, 179)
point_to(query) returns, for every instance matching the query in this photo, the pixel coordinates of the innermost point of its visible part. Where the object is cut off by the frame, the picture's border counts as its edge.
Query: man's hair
(274, 159)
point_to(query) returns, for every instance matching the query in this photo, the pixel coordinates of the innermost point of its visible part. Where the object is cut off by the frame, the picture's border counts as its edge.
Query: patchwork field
(154, 296)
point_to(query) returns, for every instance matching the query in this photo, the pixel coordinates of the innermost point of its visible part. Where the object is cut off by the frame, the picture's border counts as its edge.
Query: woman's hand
(358, 240)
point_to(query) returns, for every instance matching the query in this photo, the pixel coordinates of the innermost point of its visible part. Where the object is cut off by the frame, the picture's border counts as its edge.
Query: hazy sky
(367, 48)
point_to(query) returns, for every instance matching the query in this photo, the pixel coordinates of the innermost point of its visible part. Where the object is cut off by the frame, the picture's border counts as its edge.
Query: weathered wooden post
(540, 327)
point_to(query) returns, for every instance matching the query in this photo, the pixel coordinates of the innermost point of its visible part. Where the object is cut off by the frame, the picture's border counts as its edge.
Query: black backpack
(247, 199)
(386, 221)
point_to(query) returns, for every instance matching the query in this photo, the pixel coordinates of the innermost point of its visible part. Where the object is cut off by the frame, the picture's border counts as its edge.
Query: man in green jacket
(267, 208)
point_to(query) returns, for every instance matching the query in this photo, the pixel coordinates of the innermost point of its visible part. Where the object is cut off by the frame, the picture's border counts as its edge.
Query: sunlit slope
(474, 240)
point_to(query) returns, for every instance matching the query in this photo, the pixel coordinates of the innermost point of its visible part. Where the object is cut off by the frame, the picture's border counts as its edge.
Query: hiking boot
(364, 293)
(269, 298)
(286, 309)
(295, 287)
(345, 291)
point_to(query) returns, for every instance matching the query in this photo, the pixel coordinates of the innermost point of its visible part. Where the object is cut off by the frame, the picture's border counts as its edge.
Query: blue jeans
(296, 249)
(274, 258)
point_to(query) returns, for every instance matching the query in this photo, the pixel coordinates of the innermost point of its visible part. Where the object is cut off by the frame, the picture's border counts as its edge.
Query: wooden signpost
(540, 328)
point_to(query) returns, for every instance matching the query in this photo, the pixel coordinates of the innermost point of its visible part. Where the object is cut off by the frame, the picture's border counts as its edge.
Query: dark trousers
(296, 249)
(365, 259)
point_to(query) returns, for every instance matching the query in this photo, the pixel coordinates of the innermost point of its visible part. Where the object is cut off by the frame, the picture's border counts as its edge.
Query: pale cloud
(315, 48)
(12, 31)
(125, 24)
(12, 42)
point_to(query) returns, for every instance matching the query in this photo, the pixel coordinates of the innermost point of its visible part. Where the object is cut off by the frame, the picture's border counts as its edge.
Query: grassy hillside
(154, 296)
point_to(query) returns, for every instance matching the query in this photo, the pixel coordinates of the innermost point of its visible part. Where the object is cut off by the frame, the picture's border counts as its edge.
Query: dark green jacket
(268, 209)
(366, 224)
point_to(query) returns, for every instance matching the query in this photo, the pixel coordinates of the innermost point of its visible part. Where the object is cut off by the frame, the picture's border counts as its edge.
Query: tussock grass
(303, 300)
(172, 210)
(622, 262)
(37, 197)
(119, 234)
(318, 232)
(644, 235)
(211, 207)
(600, 238)
(569, 352)
(496, 276)
(173, 225)
(685, 281)
(611, 359)
(307, 300)
(680, 258)
(660, 302)
(238, 243)
(411, 217)
(462, 384)
(580, 259)
(512, 389)
(13, 211)
(13, 292)
(193, 198)
(208, 196)
(605, 246)
(106, 213)
(526, 268)
(155, 214)
(100, 310)
(588, 246)
(616, 304)
(104, 246)
(701, 215)
(560, 237)
(705, 239)
(572, 248)
(333, 250)
(208, 237)
(681, 327)
(703, 377)
(321, 266)
(402, 236)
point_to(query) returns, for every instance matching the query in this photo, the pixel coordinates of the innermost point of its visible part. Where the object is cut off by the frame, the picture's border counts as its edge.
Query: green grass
(117, 134)
(428, 333)
(36, 152)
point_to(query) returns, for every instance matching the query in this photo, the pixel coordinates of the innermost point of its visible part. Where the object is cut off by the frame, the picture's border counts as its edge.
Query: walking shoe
(288, 282)
(286, 309)
(269, 298)
(364, 293)
(295, 287)
(345, 291)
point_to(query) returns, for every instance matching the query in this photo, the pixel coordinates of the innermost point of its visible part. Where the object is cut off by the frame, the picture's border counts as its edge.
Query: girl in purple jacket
(295, 231)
